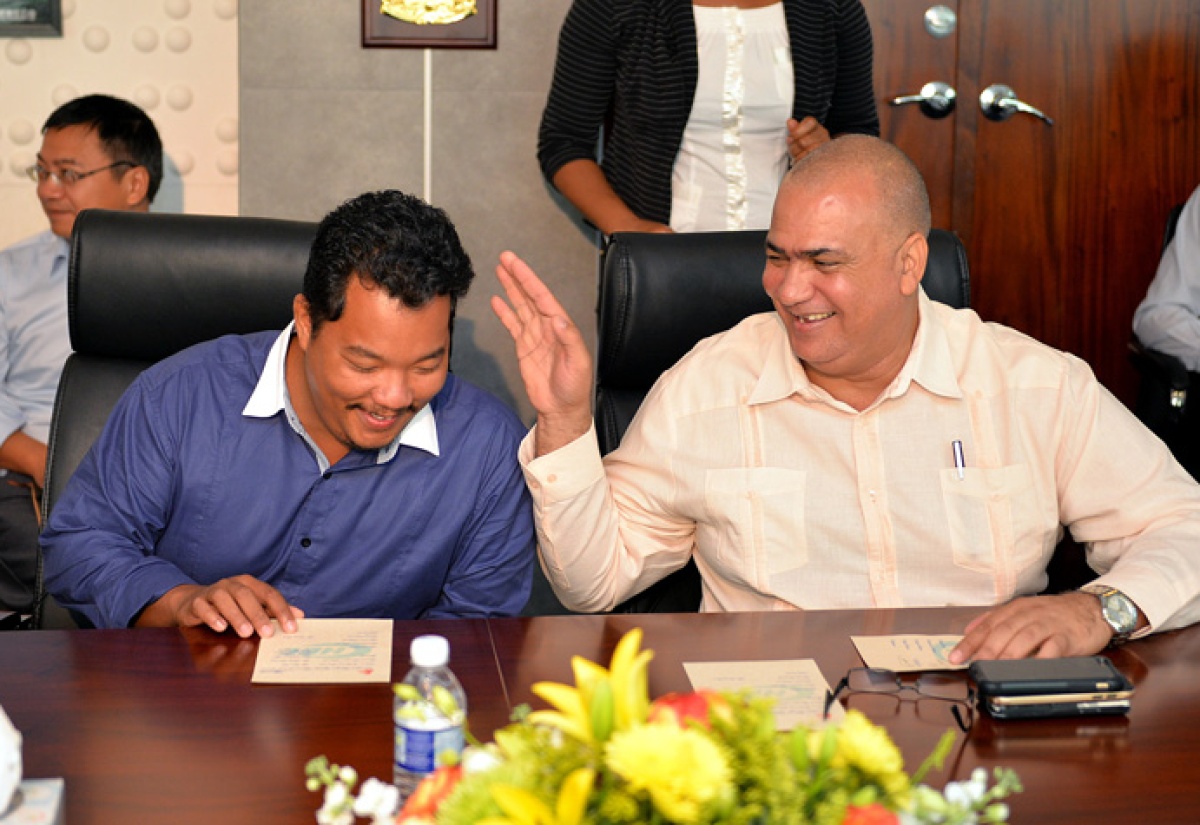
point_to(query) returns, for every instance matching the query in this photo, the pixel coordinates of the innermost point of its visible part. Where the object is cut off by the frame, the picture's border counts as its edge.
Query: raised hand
(555, 364)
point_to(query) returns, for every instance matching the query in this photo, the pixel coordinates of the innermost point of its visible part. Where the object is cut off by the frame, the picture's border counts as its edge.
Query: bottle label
(421, 750)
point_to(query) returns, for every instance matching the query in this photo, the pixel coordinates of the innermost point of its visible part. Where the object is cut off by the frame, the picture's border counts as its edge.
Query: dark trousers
(18, 544)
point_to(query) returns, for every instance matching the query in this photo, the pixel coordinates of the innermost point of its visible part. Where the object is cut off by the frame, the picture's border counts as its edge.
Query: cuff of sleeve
(145, 585)
(564, 473)
(1136, 595)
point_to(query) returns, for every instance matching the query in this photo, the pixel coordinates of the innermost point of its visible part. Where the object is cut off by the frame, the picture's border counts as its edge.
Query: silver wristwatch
(1118, 610)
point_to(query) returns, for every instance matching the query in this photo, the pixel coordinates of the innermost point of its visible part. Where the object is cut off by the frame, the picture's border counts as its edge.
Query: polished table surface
(152, 726)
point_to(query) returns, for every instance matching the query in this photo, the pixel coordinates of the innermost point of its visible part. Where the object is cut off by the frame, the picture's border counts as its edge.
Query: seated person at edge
(97, 152)
(332, 469)
(702, 104)
(804, 458)
(1168, 319)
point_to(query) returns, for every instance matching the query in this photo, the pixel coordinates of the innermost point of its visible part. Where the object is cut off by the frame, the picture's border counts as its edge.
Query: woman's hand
(804, 136)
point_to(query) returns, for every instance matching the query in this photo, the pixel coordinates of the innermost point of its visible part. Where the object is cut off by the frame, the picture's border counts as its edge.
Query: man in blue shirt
(333, 469)
(97, 152)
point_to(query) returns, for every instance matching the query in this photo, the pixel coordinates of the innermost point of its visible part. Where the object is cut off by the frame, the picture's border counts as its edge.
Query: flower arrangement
(604, 754)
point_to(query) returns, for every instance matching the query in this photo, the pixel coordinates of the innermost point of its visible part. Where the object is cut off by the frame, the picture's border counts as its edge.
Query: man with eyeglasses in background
(98, 152)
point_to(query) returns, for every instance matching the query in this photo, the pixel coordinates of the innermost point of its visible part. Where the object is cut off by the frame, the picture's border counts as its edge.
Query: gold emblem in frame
(428, 12)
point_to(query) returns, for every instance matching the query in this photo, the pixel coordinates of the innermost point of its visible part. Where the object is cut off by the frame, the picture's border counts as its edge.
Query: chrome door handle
(1000, 102)
(936, 99)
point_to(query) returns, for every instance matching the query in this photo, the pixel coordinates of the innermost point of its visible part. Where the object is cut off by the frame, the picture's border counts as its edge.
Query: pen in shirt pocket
(960, 463)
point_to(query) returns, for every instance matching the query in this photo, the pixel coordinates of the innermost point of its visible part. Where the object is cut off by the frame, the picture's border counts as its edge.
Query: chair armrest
(1160, 366)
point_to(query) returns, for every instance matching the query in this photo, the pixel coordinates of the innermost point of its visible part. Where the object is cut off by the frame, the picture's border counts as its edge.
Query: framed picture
(30, 18)
(475, 30)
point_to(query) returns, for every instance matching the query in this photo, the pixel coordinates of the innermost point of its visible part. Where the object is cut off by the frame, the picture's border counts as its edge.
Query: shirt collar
(59, 250)
(929, 364)
(61, 246)
(270, 397)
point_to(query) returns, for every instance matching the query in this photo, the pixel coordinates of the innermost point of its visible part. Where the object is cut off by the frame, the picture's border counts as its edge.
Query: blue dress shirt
(190, 483)
(34, 342)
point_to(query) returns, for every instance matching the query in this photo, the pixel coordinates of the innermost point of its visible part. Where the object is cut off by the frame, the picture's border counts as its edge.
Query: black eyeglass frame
(38, 173)
(896, 686)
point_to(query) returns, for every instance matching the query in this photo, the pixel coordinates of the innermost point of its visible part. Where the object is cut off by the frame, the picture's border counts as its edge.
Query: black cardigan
(632, 64)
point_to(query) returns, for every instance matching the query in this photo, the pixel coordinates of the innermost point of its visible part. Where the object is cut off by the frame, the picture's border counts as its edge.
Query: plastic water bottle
(430, 712)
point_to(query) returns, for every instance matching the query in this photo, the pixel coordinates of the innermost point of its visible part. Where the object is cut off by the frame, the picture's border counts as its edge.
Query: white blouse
(734, 149)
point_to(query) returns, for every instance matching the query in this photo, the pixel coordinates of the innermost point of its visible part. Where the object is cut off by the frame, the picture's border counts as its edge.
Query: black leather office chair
(660, 294)
(1166, 400)
(144, 286)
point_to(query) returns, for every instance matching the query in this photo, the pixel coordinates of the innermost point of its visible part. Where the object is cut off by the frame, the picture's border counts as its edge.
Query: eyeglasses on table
(946, 688)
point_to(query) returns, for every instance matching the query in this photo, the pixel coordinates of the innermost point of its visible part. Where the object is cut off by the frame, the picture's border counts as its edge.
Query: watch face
(1119, 612)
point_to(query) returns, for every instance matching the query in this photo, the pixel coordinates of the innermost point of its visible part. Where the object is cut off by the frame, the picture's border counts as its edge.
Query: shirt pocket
(984, 510)
(755, 522)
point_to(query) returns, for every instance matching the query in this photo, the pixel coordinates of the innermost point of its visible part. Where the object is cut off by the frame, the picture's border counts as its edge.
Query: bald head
(860, 161)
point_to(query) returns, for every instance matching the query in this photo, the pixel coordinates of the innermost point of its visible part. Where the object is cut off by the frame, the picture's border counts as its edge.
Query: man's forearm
(24, 454)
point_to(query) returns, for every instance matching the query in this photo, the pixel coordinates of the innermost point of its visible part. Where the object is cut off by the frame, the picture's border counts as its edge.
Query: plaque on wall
(436, 24)
(30, 18)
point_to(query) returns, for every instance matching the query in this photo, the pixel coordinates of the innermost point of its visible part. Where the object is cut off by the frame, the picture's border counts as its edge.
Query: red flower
(873, 814)
(680, 707)
(424, 802)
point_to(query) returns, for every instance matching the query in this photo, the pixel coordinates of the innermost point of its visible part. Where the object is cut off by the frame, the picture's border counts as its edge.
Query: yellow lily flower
(603, 701)
(572, 717)
(523, 808)
(573, 796)
(630, 681)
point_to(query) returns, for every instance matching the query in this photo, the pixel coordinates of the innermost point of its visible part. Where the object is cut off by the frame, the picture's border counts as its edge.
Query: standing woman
(704, 103)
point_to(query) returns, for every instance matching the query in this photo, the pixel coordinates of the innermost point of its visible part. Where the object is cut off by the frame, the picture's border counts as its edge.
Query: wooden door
(1062, 222)
(906, 58)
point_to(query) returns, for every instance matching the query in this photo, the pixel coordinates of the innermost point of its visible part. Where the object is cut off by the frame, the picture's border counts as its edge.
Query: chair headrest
(146, 285)
(661, 293)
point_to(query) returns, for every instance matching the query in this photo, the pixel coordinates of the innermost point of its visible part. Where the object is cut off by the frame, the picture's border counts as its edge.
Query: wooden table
(153, 726)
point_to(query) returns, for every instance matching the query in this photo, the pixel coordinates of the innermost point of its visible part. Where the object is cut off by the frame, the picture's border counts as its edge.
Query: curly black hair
(125, 131)
(389, 239)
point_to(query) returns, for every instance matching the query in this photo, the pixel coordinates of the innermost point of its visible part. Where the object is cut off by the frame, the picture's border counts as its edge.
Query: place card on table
(36, 802)
(907, 653)
(796, 685)
(324, 651)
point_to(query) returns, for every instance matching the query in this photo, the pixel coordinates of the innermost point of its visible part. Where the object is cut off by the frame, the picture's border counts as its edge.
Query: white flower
(341, 818)
(477, 760)
(377, 800)
(969, 792)
(336, 810)
(336, 795)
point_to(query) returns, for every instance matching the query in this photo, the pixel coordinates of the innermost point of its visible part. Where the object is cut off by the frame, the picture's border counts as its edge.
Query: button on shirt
(34, 341)
(199, 475)
(791, 499)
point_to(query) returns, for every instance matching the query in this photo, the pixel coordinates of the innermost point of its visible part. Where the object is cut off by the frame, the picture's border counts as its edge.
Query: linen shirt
(34, 341)
(190, 483)
(788, 498)
(1168, 319)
